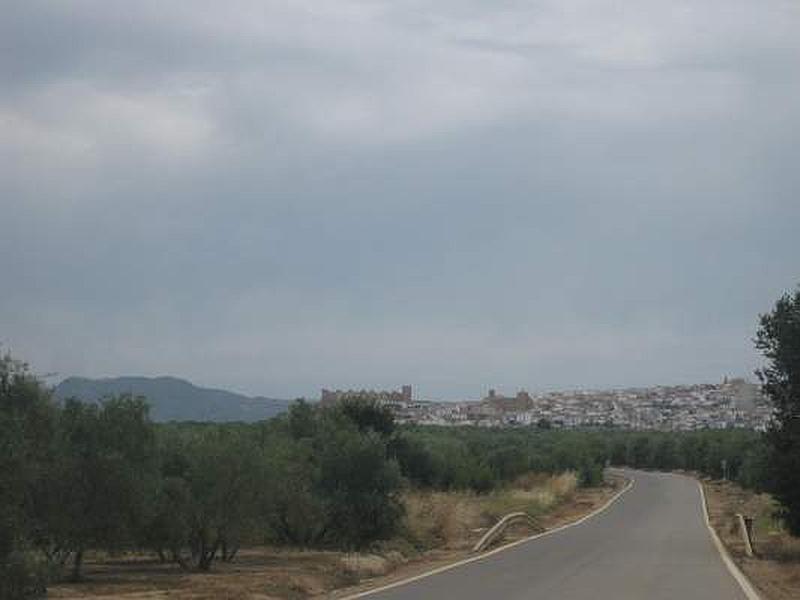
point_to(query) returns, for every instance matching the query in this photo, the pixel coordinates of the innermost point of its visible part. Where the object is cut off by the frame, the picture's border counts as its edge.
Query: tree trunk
(231, 554)
(176, 556)
(207, 557)
(228, 553)
(76, 566)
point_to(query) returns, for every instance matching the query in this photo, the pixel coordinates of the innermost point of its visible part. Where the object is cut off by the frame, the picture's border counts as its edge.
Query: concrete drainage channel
(500, 527)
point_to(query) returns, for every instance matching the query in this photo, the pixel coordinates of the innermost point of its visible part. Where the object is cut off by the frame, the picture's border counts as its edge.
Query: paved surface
(651, 544)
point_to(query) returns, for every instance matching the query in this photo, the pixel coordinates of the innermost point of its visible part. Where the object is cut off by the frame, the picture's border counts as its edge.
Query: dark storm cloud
(277, 197)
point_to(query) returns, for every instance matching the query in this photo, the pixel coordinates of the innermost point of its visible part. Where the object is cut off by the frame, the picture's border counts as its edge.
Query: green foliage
(665, 453)
(618, 452)
(461, 458)
(104, 476)
(507, 462)
(26, 423)
(211, 483)
(755, 469)
(778, 338)
(293, 512)
(367, 414)
(21, 576)
(639, 454)
(415, 462)
(301, 420)
(590, 474)
(169, 527)
(359, 486)
(482, 459)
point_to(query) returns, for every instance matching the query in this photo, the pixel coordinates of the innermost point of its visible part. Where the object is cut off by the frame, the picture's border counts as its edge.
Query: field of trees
(85, 476)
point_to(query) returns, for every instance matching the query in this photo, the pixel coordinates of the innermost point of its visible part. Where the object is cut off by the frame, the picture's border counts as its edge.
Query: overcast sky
(273, 197)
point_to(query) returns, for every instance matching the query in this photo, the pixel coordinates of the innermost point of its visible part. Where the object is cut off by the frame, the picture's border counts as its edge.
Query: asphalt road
(652, 544)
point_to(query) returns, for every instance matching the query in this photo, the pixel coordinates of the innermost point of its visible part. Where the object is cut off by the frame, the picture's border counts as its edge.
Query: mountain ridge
(174, 399)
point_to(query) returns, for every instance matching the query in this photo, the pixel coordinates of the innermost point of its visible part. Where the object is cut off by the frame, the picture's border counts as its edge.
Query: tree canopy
(778, 338)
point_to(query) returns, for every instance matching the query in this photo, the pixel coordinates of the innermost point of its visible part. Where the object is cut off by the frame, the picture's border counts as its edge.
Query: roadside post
(746, 529)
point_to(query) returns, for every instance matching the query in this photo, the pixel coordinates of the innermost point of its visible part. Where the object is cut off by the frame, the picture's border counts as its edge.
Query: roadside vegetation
(778, 339)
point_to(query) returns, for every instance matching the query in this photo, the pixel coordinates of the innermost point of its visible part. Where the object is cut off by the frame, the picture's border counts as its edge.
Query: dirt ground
(775, 570)
(447, 524)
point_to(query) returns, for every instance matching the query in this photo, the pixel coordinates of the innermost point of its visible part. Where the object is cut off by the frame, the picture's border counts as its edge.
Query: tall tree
(27, 418)
(778, 338)
(208, 497)
(359, 487)
(103, 478)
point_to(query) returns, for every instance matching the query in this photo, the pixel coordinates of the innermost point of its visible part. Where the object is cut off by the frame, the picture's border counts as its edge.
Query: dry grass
(454, 519)
(775, 569)
(358, 566)
(441, 519)
(533, 495)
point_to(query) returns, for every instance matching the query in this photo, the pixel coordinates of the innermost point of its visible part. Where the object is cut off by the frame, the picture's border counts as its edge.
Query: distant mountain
(173, 399)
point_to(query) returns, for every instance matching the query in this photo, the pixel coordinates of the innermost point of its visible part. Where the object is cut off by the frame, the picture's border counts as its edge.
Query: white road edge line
(734, 569)
(465, 561)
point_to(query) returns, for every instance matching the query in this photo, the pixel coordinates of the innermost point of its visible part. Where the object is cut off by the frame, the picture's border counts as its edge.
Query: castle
(391, 398)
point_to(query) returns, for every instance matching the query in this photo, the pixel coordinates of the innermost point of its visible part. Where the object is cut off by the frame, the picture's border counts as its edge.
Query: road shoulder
(775, 570)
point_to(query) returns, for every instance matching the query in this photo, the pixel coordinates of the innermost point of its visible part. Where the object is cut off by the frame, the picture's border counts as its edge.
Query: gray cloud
(276, 197)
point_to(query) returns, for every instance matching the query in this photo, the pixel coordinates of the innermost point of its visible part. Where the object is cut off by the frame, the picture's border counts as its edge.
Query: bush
(590, 474)
(359, 487)
(415, 461)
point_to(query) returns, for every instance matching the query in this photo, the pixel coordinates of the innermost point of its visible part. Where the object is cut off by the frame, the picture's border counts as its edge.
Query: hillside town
(734, 403)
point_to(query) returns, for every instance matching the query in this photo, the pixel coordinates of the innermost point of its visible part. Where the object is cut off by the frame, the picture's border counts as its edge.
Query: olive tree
(27, 417)
(101, 480)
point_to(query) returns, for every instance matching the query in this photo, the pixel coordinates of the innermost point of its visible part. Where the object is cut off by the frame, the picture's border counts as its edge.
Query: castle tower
(407, 394)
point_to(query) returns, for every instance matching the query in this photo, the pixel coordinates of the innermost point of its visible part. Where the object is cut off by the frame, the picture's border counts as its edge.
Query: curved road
(651, 544)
